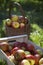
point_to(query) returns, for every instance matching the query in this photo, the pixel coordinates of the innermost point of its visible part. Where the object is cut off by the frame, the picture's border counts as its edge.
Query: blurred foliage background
(33, 10)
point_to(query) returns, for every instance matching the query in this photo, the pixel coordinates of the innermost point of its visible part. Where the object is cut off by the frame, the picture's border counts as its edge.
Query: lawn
(34, 12)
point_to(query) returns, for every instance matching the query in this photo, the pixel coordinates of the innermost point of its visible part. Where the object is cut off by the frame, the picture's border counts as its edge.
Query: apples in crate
(22, 53)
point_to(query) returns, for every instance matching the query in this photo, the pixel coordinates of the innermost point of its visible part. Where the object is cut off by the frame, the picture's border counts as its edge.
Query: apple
(4, 46)
(39, 52)
(24, 62)
(14, 50)
(14, 18)
(26, 20)
(21, 19)
(27, 52)
(12, 59)
(22, 25)
(19, 54)
(41, 61)
(15, 24)
(21, 45)
(31, 59)
(31, 48)
(8, 22)
(37, 58)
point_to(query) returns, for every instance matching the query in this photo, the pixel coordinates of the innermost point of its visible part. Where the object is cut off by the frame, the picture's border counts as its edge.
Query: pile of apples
(16, 21)
(21, 53)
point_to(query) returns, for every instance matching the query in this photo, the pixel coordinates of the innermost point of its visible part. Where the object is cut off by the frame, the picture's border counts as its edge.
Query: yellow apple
(15, 24)
(14, 18)
(24, 62)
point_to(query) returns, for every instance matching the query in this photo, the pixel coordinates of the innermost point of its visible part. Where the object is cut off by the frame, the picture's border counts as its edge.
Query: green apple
(8, 22)
(27, 52)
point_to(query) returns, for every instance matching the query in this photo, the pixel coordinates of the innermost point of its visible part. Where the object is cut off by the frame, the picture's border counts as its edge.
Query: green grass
(37, 35)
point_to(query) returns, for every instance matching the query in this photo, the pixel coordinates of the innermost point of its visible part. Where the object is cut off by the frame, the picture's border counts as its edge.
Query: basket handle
(20, 7)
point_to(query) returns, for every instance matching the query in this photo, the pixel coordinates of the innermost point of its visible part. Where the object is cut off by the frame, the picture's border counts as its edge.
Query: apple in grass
(15, 24)
(31, 59)
(4, 46)
(19, 54)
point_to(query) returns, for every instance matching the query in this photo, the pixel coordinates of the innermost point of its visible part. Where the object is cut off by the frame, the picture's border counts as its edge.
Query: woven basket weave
(10, 31)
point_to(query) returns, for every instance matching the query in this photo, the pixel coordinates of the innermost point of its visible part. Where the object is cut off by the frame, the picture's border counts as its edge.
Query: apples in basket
(17, 25)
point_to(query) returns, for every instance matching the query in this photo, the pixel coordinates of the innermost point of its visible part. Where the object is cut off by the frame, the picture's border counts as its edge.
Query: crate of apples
(21, 53)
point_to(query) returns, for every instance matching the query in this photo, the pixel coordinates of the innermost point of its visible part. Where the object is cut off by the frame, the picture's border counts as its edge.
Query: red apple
(21, 19)
(14, 50)
(4, 46)
(19, 54)
(21, 45)
(31, 48)
(31, 59)
(22, 25)
(37, 58)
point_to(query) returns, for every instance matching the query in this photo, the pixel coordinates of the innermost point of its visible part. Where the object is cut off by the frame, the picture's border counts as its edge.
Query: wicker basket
(9, 31)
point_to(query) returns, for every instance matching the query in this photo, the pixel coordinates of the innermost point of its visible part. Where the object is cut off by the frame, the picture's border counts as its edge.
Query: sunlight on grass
(37, 35)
